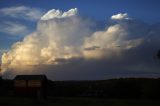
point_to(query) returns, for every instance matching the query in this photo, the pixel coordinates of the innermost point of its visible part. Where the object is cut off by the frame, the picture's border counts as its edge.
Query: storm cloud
(68, 46)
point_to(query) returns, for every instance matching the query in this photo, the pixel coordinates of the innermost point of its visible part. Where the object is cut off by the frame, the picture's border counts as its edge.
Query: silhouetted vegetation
(158, 54)
(127, 88)
(6, 87)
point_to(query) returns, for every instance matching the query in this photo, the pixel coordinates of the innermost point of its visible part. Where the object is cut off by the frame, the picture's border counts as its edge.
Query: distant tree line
(123, 88)
(115, 88)
(6, 87)
(158, 54)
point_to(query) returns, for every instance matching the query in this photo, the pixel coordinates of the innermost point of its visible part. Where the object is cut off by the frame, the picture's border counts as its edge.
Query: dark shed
(30, 85)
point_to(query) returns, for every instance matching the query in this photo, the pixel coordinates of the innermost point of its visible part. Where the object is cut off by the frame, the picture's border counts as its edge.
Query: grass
(67, 101)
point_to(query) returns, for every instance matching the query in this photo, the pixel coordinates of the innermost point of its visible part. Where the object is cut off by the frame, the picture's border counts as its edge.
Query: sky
(80, 39)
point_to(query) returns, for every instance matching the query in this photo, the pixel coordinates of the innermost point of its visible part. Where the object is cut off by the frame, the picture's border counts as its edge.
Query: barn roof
(30, 77)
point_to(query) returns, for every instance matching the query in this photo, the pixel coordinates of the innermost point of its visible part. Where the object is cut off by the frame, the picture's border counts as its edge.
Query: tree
(158, 54)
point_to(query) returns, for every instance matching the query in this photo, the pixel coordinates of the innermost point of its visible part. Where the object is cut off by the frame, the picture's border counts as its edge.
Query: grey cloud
(92, 48)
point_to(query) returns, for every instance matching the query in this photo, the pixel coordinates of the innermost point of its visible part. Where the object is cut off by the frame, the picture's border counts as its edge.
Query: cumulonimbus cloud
(54, 39)
(109, 42)
(66, 36)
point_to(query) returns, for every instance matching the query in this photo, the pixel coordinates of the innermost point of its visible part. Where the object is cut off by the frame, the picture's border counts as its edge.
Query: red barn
(30, 85)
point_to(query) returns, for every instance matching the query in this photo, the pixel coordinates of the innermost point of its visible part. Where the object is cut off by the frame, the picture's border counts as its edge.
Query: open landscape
(113, 92)
(79, 52)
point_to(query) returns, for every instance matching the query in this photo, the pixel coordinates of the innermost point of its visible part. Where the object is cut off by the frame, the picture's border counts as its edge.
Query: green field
(50, 101)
